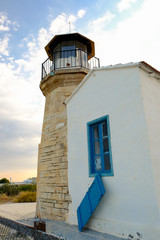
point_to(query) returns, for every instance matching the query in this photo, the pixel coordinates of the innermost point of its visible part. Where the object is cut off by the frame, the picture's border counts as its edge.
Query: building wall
(129, 205)
(151, 100)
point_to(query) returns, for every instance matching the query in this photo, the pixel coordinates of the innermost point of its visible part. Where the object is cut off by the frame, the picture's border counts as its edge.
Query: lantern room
(68, 51)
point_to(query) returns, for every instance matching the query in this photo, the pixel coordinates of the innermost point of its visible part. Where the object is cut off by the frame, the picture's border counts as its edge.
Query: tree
(4, 180)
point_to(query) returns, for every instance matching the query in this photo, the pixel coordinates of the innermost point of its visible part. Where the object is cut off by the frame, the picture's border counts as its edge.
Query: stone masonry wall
(52, 181)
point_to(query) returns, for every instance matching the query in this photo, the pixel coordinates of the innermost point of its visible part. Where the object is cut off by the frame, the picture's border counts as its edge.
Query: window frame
(91, 154)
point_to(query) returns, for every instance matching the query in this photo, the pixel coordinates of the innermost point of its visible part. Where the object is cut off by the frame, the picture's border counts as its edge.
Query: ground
(25, 213)
(17, 211)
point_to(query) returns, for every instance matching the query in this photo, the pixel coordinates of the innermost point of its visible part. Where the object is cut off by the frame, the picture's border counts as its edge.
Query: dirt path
(17, 211)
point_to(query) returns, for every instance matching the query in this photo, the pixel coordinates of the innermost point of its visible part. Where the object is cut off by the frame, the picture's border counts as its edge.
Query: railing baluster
(78, 58)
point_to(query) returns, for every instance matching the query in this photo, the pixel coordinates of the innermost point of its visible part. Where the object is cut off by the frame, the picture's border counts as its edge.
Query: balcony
(69, 59)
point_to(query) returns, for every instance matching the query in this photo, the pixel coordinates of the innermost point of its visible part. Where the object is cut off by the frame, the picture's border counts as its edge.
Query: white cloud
(21, 110)
(5, 27)
(4, 45)
(100, 23)
(125, 4)
(4, 22)
(71, 18)
(81, 13)
(60, 24)
(133, 39)
(4, 39)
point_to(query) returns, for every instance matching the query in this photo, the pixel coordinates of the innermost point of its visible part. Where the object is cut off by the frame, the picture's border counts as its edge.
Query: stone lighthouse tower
(70, 57)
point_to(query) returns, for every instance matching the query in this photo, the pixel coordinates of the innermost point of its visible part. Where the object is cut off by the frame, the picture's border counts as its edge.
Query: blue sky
(123, 31)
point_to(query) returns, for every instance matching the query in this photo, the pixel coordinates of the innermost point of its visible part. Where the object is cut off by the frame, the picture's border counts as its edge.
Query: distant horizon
(17, 177)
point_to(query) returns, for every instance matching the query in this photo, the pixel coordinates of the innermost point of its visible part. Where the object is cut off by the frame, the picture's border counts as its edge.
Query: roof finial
(69, 27)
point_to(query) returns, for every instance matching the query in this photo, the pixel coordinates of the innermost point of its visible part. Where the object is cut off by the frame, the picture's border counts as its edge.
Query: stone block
(59, 205)
(64, 165)
(65, 205)
(65, 190)
(58, 189)
(67, 197)
(58, 197)
(64, 172)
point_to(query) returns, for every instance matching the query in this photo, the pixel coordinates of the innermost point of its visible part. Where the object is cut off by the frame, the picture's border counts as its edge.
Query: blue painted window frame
(91, 147)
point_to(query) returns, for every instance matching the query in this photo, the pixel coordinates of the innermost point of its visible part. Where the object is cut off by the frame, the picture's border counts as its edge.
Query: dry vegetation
(17, 193)
(25, 197)
(5, 198)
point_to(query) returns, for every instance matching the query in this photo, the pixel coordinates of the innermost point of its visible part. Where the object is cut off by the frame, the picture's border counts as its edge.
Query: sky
(123, 31)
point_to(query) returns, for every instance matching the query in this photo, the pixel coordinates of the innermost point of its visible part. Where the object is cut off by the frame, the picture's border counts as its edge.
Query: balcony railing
(69, 59)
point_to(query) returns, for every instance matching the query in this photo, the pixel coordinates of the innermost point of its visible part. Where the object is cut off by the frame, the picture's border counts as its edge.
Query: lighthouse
(70, 58)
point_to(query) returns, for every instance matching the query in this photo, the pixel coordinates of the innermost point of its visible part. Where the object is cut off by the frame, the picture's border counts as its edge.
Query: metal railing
(69, 59)
(10, 229)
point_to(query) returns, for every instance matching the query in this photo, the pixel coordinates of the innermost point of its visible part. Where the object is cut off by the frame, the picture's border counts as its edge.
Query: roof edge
(68, 37)
(142, 65)
(146, 67)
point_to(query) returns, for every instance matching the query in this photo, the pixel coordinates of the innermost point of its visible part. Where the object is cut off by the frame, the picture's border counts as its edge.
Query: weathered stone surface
(52, 180)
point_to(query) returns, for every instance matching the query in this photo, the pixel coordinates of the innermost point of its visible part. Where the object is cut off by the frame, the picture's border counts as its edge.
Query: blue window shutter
(90, 202)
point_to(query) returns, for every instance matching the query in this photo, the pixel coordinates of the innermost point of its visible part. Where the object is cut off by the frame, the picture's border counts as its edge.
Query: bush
(27, 187)
(12, 190)
(9, 189)
(4, 180)
(25, 197)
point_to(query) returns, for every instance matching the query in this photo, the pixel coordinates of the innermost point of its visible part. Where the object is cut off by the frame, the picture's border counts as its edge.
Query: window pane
(96, 132)
(68, 51)
(66, 48)
(105, 145)
(98, 163)
(107, 164)
(97, 147)
(104, 129)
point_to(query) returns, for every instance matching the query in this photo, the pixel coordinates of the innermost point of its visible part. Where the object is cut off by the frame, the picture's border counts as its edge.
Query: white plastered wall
(151, 99)
(129, 205)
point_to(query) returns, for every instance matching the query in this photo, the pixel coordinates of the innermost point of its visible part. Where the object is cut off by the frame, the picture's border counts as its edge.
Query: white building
(113, 120)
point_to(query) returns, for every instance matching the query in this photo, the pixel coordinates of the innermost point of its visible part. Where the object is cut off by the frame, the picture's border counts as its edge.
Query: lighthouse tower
(70, 57)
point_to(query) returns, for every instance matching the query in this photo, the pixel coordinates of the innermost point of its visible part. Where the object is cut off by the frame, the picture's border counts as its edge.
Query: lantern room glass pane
(68, 51)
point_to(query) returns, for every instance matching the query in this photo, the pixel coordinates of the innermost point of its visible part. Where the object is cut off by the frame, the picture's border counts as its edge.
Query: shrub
(27, 187)
(9, 189)
(25, 197)
(12, 190)
(4, 180)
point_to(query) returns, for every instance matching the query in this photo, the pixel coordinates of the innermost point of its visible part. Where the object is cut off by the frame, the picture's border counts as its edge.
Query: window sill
(111, 174)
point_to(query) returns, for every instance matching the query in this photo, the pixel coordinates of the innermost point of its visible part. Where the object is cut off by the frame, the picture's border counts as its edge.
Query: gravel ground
(17, 211)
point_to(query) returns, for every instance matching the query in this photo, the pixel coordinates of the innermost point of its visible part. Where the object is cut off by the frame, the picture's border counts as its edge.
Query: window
(99, 146)
(68, 51)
